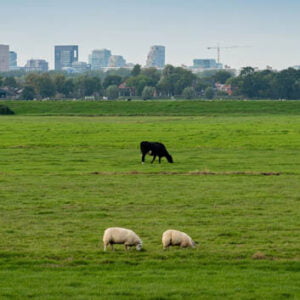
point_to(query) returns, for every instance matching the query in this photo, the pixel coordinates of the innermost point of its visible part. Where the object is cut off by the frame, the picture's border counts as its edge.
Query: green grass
(154, 107)
(64, 179)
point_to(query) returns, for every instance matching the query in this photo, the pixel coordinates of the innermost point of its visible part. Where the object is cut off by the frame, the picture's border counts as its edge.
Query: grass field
(64, 179)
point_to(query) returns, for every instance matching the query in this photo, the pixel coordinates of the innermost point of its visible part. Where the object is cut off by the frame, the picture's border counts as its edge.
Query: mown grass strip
(192, 173)
(153, 107)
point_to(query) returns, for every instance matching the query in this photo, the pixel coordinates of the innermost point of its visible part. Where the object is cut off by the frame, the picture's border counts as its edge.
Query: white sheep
(117, 235)
(176, 238)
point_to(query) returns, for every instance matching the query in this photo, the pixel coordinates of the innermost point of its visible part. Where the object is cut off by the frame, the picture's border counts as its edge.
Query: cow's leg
(143, 158)
(154, 156)
(159, 159)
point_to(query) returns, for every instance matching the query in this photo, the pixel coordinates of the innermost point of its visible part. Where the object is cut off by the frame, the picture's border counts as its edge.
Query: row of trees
(145, 83)
(150, 82)
(267, 84)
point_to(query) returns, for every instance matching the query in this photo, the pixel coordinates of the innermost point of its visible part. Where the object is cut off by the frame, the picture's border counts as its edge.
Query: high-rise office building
(99, 59)
(80, 66)
(156, 57)
(36, 65)
(116, 61)
(12, 60)
(4, 58)
(206, 64)
(65, 56)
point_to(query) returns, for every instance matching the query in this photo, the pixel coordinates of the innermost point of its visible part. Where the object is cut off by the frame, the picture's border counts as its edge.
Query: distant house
(225, 88)
(10, 93)
(126, 91)
(6, 93)
(3, 93)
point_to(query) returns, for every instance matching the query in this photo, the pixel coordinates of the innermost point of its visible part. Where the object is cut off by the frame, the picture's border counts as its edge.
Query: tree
(112, 80)
(174, 80)
(209, 93)
(138, 83)
(222, 76)
(121, 72)
(287, 84)
(148, 92)
(45, 86)
(31, 79)
(112, 92)
(136, 70)
(247, 71)
(253, 84)
(68, 87)
(189, 93)
(10, 82)
(88, 86)
(59, 81)
(92, 86)
(152, 74)
(28, 93)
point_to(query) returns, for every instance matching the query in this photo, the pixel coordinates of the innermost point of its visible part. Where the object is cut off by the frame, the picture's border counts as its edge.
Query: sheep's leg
(159, 159)
(154, 156)
(126, 247)
(112, 247)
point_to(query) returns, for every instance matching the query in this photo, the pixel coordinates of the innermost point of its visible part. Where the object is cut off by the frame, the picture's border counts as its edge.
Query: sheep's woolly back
(118, 235)
(173, 237)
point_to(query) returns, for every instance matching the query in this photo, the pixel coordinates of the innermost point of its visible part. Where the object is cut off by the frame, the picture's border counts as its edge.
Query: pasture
(234, 188)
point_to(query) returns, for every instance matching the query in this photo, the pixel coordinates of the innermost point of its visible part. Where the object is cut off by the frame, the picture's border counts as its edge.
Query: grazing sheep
(176, 238)
(117, 235)
(155, 149)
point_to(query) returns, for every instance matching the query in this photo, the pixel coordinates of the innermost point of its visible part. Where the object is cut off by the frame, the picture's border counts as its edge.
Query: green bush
(5, 110)
(189, 93)
(112, 92)
(148, 92)
(209, 93)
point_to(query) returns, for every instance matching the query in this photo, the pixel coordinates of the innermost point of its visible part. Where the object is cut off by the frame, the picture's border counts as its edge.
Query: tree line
(267, 84)
(147, 83)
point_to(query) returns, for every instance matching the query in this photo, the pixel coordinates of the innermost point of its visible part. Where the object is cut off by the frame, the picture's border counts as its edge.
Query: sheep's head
(139, 246)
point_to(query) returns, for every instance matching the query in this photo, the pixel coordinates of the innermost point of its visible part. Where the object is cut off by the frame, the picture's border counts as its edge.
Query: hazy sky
(267, 30)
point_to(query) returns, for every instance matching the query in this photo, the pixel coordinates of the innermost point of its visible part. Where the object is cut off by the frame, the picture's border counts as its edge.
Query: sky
(264, 32)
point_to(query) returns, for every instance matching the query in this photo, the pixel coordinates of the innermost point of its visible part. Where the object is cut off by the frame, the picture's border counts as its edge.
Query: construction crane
(219, 48)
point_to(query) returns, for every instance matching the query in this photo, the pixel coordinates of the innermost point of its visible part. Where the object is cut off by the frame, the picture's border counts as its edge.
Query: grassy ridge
(63, 180)
(159, 108)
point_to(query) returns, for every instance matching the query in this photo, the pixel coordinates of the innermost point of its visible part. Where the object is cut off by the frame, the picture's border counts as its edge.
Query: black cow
(155, 149)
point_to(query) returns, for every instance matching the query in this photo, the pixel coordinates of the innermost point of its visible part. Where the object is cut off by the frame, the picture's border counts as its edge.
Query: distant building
(206, 64)
(116, 61)
(225, 88)
(36, 65)
(13, 60)
(99, 59)
(4, 58)
(80, 67)
(65, 56)
(156, 57)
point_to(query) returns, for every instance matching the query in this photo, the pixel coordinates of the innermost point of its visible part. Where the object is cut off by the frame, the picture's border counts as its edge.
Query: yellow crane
(219, 49)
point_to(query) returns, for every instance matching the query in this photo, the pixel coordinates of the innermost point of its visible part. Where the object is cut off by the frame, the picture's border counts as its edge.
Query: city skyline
(267, 33)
